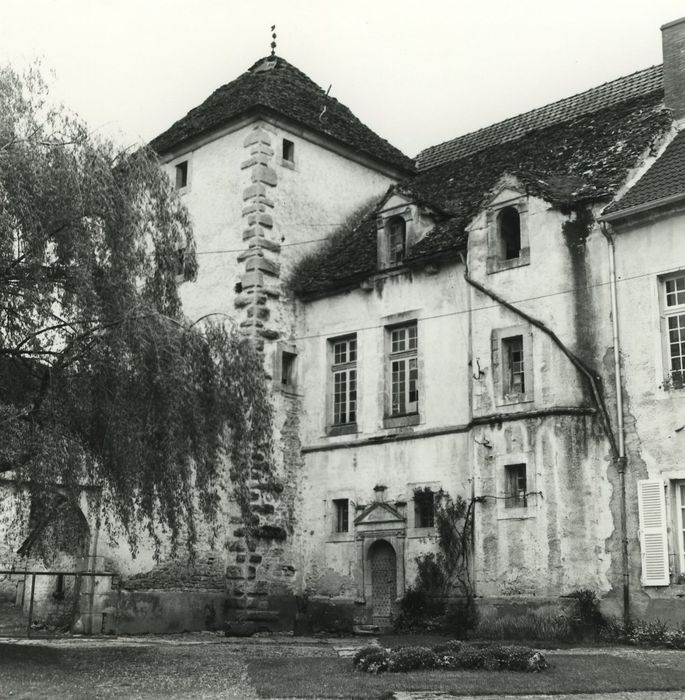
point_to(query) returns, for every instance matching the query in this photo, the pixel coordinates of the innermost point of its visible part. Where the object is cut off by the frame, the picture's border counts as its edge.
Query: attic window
(397, 240)
(509, 227)
(288, 151)
(182, 175)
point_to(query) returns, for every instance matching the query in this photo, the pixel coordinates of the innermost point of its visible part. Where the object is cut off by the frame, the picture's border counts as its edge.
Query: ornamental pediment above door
(380, 516)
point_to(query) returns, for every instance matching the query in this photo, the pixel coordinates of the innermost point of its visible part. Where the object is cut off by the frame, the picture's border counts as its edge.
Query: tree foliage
(103, 382)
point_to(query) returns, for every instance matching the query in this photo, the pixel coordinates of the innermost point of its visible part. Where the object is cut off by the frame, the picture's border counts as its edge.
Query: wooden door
(383, 581)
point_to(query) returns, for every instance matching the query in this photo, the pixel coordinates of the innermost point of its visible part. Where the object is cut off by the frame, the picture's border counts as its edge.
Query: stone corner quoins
(259, 281)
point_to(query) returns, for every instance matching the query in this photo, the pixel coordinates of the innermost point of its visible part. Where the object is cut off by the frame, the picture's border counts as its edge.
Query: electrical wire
(488, 307)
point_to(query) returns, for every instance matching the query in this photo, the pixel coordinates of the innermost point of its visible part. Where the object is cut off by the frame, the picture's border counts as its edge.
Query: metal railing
(82, 602)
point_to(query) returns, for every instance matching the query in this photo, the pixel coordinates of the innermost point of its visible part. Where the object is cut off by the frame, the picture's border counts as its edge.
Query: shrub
(453, 655)
(452, 647)
(588, 618)
(371, 659)
(461, 617)
(643, 633)
(419, 611)
(412, 659)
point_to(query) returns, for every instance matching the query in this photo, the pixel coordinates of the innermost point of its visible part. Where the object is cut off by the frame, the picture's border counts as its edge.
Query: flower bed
(453, 656)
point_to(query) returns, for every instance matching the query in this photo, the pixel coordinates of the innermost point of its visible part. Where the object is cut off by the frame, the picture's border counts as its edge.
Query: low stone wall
(162, 611)
(513, 606)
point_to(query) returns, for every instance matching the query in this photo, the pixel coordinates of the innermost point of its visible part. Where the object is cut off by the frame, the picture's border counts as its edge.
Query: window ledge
(495, 264)
(523, 513)
(401, 421)
(337, 537)
(513, 399)
(288, 164)
(343, 429)
(416, 532)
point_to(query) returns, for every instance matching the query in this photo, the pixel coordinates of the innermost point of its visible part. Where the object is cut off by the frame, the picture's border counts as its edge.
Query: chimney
(673, 40)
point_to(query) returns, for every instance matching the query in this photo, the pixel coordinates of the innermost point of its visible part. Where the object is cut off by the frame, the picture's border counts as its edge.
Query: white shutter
(653, 532)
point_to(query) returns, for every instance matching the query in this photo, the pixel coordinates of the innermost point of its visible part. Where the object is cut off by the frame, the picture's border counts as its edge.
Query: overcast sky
(418, 72)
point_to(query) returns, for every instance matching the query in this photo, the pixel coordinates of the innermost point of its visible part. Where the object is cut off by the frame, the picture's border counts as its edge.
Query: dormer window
(509, 230)
(507, 237)
(397, 240)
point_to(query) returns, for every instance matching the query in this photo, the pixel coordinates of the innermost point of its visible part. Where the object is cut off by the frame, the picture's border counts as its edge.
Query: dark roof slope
(636, 85)
(664, 179)
(582, 160)
(274, 85)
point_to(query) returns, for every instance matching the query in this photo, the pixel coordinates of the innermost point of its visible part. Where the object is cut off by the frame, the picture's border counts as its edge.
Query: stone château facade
(501, 319)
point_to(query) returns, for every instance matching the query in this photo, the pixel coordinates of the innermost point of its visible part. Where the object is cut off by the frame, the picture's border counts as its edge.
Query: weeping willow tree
(103, 383)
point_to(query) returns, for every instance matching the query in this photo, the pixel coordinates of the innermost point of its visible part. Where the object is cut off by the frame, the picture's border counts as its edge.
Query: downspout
(621, 460)
(472, 446)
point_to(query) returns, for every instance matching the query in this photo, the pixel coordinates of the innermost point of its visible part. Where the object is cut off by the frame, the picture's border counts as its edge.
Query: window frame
(413, 527)
(331, 516)
(514, 497)
(181, 173)
(334, 368)
(500, 339)
(407, 355)
(505, 509)
(288, 153)
(496, 259)
(396, 227)
(341, 511)
(420, 500)
(677, 310)
(504, 235)
(285, 384)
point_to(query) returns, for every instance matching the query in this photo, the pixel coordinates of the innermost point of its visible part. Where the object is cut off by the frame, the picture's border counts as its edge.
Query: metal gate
(383, 581)
(53, 603)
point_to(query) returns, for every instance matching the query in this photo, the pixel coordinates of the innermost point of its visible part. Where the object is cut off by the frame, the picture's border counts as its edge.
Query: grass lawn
(130, 673)
(335, 678)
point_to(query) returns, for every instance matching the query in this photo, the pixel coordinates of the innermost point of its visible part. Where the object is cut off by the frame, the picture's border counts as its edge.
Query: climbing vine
(444, 573)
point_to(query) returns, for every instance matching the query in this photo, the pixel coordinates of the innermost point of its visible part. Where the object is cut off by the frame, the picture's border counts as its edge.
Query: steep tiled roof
(664, 179)
(275, 86)
(580, 160)
(638, 84)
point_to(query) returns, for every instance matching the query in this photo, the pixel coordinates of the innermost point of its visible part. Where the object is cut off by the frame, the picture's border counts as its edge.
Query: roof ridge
(431, 156)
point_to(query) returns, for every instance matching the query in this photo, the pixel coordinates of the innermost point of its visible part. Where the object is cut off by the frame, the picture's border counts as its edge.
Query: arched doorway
(383, 581)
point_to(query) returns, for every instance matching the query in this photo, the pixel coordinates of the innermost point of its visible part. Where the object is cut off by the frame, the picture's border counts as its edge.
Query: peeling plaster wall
(331, 565)
(645, 251)
(556, 544)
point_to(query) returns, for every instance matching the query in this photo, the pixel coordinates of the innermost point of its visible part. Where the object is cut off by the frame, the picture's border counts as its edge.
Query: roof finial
(273, 42)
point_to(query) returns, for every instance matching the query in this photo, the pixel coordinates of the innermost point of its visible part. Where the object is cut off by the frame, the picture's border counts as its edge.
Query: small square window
(515, 486)
(341, 507)
(288, 151)
(424, 508)
(288, 369)
(182, 175)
